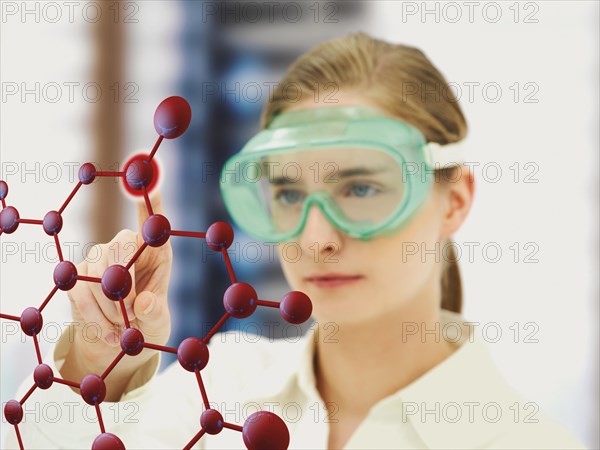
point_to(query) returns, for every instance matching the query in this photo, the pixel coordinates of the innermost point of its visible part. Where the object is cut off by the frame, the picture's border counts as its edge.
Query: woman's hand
(99, 320)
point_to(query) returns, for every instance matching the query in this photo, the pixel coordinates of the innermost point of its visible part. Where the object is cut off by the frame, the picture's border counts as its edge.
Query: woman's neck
(367, 362)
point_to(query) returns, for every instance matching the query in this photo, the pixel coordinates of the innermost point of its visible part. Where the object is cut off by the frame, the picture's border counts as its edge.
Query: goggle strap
(439, 156)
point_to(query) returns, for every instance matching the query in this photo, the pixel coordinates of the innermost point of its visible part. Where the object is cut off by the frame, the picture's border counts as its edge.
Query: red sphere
(116, 282)
(219, 235)
(43, 376)
(52, 223)
(265, 430)
(93, 389)
(295, 307)
(13, 411)
(107, 441)
(156, 230)
(193, 354)
(87, 173)
(31, 321)
(65, 275)
(9, 220)
(138, 192)
(240, 300)
(172, 117)
(3, 190)
(132, 341)
(139, 174)
(211, 421)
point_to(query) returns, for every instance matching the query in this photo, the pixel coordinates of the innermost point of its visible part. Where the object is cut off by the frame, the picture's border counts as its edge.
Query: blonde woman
(390, 362)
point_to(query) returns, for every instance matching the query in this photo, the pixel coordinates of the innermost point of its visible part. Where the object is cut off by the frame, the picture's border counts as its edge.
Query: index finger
(152, 204)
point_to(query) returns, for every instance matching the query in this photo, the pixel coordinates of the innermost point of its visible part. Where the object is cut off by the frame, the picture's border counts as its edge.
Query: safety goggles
(367, 172)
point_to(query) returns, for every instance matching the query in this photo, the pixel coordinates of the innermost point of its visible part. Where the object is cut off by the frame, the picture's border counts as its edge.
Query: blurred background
(81, 80)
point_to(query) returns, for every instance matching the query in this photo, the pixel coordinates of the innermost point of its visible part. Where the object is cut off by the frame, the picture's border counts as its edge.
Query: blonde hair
(399, 79)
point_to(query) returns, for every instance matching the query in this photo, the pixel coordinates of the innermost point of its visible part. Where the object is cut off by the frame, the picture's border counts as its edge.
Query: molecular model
(262, 429)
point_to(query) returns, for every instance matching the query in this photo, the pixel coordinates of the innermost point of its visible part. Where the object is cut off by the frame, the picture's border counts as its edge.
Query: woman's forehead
(330, 164)
(339, 156)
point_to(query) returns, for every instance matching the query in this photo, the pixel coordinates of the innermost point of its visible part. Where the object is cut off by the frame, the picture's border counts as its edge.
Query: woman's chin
(347, 310)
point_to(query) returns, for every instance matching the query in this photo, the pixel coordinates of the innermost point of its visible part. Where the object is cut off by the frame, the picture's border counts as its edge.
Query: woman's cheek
(409, 258)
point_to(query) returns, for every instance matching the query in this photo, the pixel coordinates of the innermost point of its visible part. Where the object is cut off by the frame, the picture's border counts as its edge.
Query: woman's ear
(457, 197)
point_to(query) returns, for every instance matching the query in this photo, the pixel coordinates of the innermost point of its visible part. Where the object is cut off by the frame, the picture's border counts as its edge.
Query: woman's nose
(319, 235)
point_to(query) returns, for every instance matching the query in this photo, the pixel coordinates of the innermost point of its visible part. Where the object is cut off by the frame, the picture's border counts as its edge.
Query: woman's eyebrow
(361, 171)
(278, 181)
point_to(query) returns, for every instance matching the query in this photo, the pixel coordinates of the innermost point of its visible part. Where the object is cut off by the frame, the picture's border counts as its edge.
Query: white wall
(37, 137)
(41, 137)
(558, 214)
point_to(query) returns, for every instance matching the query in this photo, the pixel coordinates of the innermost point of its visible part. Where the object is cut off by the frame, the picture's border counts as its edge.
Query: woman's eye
(288, 196)
(362, 190)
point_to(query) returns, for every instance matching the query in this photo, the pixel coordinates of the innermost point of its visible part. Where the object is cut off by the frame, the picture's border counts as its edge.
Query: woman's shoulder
(545, 433)
(467, 402)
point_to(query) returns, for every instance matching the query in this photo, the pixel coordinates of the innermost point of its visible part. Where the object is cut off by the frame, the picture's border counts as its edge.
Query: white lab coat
(462, 403)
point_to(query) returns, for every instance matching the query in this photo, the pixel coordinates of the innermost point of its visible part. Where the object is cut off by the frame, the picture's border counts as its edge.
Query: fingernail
(112, 338)
(130, 313)
(149, 308)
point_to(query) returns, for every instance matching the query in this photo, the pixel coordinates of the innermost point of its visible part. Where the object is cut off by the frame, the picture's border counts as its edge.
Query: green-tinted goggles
(367, 172)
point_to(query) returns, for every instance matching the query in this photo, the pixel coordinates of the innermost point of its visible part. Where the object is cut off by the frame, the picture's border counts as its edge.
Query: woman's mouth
(333, 280)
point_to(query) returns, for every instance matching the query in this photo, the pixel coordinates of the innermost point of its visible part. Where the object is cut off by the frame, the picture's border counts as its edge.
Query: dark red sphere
(193, 354)
(139, 174)
(295, 307)
(93, 389)
(43, 376)
(265, 430)
(240, 300)
(52, 223)
(13, 411)
(155, 172)
(9, 220)
(212, 421)
(116, 282)
(107, 441)
(132, 341)
(65, 275)
(3, 190)
(156, 230)
(87, 173)
(219, 235)
(172, 117)
(31, 321)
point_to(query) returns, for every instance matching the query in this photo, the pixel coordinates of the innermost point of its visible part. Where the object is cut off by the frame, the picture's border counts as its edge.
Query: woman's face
(391, 272)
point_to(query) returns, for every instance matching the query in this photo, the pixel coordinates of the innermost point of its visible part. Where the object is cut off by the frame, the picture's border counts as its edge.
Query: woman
(391, 363)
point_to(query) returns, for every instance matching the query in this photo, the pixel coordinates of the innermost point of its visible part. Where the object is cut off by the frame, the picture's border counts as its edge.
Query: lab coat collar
(467, 382)
(468, 378)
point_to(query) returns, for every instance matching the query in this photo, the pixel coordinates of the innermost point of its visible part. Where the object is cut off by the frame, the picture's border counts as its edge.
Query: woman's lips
(334, 281)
